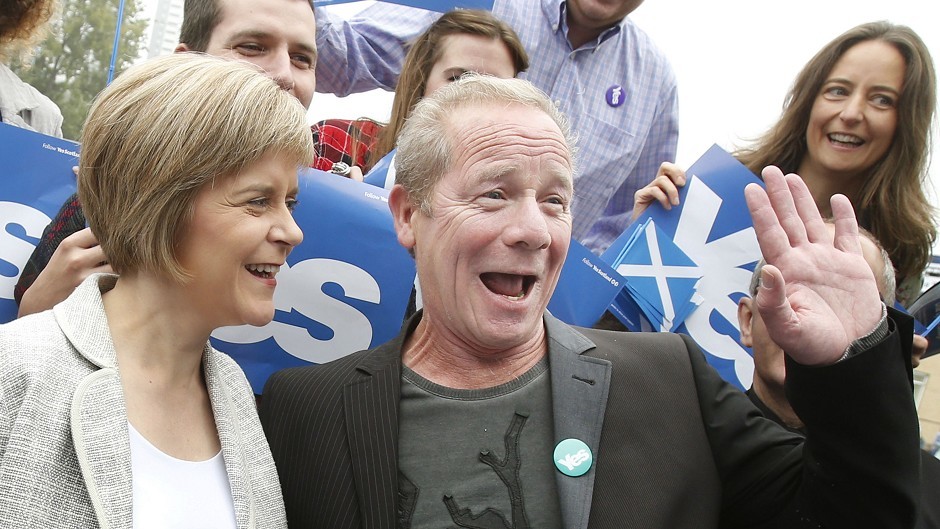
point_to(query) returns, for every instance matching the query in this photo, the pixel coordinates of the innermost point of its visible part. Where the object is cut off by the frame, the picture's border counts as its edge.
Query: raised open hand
(817, 292)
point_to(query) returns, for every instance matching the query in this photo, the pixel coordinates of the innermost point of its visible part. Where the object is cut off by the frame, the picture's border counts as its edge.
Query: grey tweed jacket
(65, 458)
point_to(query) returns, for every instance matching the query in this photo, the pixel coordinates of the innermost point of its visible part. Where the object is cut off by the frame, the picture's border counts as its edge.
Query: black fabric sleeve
(859, 465)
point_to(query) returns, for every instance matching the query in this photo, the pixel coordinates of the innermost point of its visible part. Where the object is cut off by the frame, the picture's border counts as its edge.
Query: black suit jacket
(674, 445)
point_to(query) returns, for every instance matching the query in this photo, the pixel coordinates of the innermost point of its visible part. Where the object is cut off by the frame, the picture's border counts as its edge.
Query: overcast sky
(735, 60)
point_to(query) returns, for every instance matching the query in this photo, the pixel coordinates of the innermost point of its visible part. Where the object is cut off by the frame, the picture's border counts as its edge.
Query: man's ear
(403, 212)
(745, 319)
(182, 47)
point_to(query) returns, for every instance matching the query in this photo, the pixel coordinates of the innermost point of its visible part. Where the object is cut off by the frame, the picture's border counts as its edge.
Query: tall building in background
(166, 27)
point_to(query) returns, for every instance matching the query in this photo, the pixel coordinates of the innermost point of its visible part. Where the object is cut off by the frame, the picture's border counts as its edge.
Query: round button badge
(615, 95)
(573, 457)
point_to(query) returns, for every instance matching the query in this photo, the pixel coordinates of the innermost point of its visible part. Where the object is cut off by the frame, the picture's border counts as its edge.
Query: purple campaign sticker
(615, 95)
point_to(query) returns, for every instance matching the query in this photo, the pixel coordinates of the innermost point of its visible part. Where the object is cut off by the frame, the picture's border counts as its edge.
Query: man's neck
(579, 36)
(450, 363)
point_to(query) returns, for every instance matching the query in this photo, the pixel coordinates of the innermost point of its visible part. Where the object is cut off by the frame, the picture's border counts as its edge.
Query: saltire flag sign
(344, 289)
(35, 179)
(586, 287)
(662, 279)
(713, 228)
(441, 6)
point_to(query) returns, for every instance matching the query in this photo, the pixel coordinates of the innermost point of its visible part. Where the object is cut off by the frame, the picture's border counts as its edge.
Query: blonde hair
(891, 203)
(426, 144)
(160, 132)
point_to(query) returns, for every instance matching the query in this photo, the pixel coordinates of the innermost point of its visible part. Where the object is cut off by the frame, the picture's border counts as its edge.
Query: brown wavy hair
(891, 202)
(23, 23)
(427, 50)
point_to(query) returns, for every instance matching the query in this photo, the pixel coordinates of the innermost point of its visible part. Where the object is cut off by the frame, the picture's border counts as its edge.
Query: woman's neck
(153, 330)
(824, 184)
(159, 344)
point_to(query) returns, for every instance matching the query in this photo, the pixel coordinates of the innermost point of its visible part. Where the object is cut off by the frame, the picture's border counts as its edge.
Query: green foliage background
(71, 65)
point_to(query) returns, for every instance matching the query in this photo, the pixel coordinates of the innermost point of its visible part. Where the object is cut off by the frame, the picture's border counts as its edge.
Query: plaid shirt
(621, 143)
(337, 140)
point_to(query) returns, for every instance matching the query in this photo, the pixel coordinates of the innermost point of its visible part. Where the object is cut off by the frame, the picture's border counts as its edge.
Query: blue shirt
(620, 148)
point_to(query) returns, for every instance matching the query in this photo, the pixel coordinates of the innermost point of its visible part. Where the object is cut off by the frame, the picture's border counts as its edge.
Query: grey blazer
(65, 456)
(675, 446)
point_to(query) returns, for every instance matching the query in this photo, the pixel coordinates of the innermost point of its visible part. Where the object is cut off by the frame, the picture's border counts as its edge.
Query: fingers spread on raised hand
(843, 215)
(781, 199)
(813, 225)
(770, 236)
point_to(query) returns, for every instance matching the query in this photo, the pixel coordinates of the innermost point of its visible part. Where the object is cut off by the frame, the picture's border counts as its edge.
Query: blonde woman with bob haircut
(114, 409)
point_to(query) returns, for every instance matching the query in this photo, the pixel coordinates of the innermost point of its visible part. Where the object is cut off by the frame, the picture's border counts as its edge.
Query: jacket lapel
(371, 407)
(99, 414)
(233, 453)
(102, 446)
(580, 386)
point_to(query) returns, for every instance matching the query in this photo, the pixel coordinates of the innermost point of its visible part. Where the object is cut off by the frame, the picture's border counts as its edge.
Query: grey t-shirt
(477, 458)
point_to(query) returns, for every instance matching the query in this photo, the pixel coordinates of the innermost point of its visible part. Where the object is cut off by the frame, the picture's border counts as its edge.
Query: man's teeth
(267, 270)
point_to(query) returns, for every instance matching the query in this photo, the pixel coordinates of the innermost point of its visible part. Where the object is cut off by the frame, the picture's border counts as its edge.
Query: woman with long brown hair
(857, 122)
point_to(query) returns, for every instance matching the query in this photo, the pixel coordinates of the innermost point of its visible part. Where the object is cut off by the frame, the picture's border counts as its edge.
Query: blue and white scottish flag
(660, 279)
(713, 228)
(35, 179)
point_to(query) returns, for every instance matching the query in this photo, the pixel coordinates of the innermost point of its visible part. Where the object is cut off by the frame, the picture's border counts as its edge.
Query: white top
(175, 494)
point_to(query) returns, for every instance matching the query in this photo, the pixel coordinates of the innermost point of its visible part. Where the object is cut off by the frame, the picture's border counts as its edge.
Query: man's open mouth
(512, 286)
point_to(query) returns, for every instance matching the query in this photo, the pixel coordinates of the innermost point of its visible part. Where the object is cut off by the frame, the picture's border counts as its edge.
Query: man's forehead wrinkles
(513, 138)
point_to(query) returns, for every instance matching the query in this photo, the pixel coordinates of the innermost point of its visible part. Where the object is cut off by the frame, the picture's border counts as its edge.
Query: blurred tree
(71, 65)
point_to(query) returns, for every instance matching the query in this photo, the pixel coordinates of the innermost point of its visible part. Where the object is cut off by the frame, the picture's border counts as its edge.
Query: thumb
(772, 301)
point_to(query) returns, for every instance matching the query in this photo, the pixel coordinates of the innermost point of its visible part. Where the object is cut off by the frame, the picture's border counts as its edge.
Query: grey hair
(426, 143)
(887, 284)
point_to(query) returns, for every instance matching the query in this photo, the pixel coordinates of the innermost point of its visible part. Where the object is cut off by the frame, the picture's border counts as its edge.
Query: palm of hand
(832, 301)
(818, 294)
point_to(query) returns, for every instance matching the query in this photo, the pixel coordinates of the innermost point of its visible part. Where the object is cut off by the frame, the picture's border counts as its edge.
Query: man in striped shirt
(599, 68)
